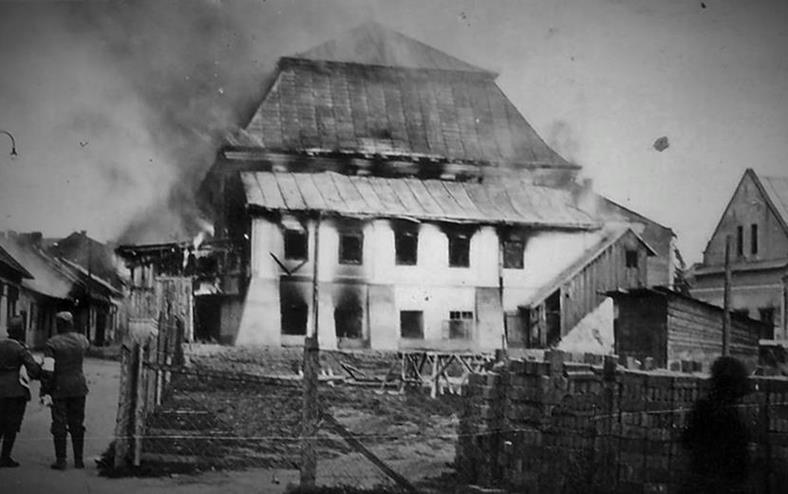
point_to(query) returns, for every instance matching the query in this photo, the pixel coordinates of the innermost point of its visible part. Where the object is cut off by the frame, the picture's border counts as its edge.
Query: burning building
(390, 196)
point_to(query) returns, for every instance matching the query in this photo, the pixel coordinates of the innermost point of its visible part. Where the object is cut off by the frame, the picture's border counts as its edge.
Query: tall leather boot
(60, 454)
(78, 445)
(8, 445)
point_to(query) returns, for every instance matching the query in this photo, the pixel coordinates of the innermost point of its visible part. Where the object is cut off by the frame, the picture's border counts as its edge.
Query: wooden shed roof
(511, 202)
(559, 257)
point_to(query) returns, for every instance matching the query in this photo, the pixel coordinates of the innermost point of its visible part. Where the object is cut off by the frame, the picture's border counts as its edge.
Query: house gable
(751, 209)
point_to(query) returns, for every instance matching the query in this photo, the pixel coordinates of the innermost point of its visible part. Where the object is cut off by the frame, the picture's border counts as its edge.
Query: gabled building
(53, 285)
(11, 275)
(391, 196)
(755, 221)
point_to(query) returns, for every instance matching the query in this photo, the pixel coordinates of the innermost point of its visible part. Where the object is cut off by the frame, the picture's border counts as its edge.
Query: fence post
(310, 411)
(123, 422)
(139, 404)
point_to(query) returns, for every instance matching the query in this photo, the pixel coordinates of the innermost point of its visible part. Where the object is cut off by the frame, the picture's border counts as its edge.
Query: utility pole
(726, 321)
(310, 411)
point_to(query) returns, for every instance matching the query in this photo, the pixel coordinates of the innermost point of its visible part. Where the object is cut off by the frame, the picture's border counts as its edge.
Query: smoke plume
(127, 106)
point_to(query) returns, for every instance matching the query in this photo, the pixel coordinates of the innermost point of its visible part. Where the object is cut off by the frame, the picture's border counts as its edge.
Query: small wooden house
(564, 286)
(672, 328)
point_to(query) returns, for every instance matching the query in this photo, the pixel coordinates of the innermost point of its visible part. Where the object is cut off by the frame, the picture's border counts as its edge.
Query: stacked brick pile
(558, 426)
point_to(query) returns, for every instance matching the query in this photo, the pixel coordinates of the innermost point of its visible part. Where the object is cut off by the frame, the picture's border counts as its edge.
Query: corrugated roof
(47, 279)
(513, 201)
(374, 44)
(8, 260)
(777, 189)
(353, 107)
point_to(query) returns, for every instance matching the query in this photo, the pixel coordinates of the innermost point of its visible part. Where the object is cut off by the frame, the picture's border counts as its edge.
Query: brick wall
(560, 426)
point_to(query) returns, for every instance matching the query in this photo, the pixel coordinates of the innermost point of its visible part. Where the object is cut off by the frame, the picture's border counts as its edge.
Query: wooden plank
(405, 196)
(252, 189)
(290, 191)
(313, 199)
(328, 192)
(356, 444)
(353, 202)
(467, 207)
(428, 203)
(388, 198)
(445, 201)
(481, 199)
(371, 200)
(310, 412)
(138, 425)
(272, 197)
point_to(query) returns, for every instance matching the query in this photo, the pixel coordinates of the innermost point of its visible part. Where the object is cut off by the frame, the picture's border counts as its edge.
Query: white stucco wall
(430, 286)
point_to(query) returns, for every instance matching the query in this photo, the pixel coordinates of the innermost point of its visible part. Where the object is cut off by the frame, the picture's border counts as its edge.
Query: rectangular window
(294, 317)
(351, 247)
(739, 240)
(459, 249)
(411, 324)
(12, 294)
(348, 321)
(513, 253)
(460, 325)
(406, 245)
(295, 244)
(754, 239)
(631, 258)
(766, 315)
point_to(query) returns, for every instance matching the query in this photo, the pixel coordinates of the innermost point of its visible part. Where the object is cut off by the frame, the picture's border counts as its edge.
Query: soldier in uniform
(14, 388)
(63, 385)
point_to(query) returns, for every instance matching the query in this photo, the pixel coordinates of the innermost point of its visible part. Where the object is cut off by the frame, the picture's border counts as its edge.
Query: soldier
(63, 386)
(14, 388)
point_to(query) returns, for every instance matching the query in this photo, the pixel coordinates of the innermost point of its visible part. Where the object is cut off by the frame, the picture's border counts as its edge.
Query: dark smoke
(191, 64)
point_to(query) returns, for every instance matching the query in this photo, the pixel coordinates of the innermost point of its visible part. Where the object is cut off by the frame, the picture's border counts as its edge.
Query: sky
(118, 108)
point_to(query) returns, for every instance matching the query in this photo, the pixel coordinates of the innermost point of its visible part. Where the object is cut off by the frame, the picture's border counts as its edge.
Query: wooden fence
(143, 379)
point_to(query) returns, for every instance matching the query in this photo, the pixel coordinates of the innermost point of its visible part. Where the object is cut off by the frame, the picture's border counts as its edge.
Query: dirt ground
(236, 424)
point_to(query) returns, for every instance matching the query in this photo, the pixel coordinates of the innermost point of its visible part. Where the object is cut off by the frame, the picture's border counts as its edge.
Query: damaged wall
(377, 284)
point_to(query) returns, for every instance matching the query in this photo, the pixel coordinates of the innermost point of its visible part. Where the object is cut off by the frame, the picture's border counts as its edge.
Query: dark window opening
(294, 317)
(295, 244)
(741, 312)
(406, 246)
(12, 294)
(460, 325)
(631, 258)
(740, 241)
(513, 254)
(411, 324)
(459, 250)
(754, 239)
(766, 315)
(351, 247)
(553, 318)
(348, 321)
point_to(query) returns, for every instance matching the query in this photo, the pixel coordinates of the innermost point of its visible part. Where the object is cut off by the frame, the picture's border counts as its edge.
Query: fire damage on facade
(392, 196)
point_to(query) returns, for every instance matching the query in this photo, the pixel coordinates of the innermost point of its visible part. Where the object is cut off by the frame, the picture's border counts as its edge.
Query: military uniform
(14, 393)
(65, 382)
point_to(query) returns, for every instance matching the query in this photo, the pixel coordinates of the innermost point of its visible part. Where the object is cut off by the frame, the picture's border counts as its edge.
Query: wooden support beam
(356, 444)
